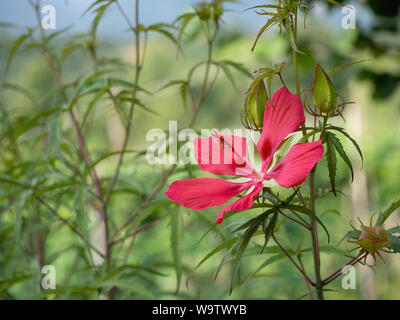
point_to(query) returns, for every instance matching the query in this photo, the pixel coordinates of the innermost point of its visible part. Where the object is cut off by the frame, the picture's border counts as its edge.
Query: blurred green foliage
(40, 159)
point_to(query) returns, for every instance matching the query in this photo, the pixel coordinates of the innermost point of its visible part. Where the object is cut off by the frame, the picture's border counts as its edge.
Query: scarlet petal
(283, 118)
(294, 168)
(202, 193)
(223, 155)
(243, 203)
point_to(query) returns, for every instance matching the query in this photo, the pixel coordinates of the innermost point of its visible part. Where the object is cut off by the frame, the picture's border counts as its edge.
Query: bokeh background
(373, 120)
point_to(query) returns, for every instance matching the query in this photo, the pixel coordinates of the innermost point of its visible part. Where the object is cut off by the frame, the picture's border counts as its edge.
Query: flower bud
(203, 10)
(217, 10)
(324, 92)
(255, 104)
(373, 239)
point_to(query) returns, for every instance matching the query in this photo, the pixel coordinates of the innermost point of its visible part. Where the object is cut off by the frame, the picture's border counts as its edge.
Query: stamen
(227, 144)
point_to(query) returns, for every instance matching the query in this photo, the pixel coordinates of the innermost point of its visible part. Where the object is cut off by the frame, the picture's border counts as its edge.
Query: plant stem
(337, 273)
(313, 223)
(314, 240)
(196, 107)
(307, 279)
(138, 68)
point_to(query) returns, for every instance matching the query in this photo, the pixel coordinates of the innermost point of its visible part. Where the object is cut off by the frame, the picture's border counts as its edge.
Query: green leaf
(183, 87)
(54, 135)
(266, 263)
(105, 156)
(19, 208)
(395, 243)
(354, 142)
(224, 245)
(7, 179)
(82, 218)
(269, 229)
(184, 21)
(100, 11)
(346, 66)
(17, 43)
(228, 74)
(162, 29)
(5, 284)
(339, 148)
(312, 291)
(17, 88)
(337, 3)
(55, 186)
(274, 20)
(331, 158)
(386, 214)
(292, 41)
(238, 66)
(309, 213)
(393, 230)
(245, 239)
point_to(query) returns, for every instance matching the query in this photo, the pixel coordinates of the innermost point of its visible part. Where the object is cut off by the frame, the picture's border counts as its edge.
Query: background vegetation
(66, 100)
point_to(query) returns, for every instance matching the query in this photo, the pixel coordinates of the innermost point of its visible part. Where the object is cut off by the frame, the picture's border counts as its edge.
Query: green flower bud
(373, 239)
(203, 10)
(255, 104)
(324, 92)
(217, 10)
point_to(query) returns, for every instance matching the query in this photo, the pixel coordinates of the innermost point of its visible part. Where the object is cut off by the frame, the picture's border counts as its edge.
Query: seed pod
(373, 239)
(255, 104)
(324, 92)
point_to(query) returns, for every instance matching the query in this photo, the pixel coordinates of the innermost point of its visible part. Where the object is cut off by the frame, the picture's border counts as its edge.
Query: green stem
(196, 107)
(313, 223)
(138, 68)
(295, 66)
(314, 240)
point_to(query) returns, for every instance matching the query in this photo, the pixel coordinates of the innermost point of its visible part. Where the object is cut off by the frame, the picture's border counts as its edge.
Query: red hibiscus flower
(227, 155)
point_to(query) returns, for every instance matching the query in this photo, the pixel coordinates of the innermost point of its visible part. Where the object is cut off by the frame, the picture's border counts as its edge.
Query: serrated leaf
(354, 142)
(162, 29)
(100, 11)
(395, 243)
(82, 218)
(291, 39)
(105, 156)
(309, 213)
(345, 66)
(184, 19)
(228, 74)
(383, 216)
(339, 148)
(16, 44)
(269, 229)
(331, 158)
(54, 135)
(265, 27)
(19, 208)
(238, 66)
(17, 88)
(245, 239)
